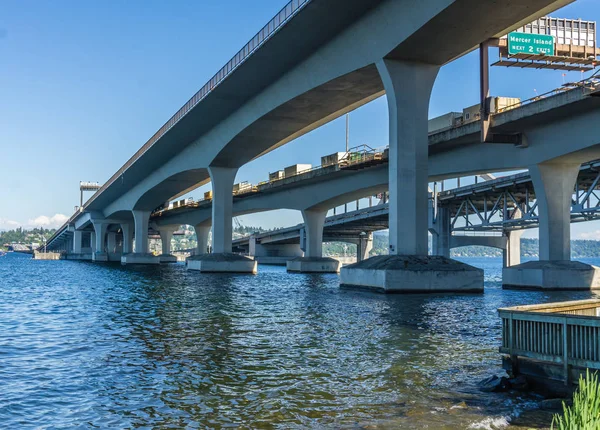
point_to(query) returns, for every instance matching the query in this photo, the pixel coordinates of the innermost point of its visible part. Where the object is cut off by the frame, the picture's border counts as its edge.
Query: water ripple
(84, 345)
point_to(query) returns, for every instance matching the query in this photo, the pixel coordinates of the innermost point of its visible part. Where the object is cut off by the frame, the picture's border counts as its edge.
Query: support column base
(100, 257)
(114, 256)
(81, 256)
(167, 258)
(135, 258)
(313, 265)
(552, 275)
(412, 274)
(222, 263)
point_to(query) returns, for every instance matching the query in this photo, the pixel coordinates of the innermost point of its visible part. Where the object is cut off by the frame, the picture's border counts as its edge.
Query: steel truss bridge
(509, 203)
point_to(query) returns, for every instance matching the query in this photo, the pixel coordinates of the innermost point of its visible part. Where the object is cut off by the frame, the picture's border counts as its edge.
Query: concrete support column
(364, 247)
(313, 224)
(222, 208)
(93, 241)
(408, 88)
(97, 241)
(440, 233)
(141, 219)
(202, 233)
(141, 255)
(127, 230)
(111, 242)
(99, 236)
(77, 241)
(311, 241)
(511, 256)
(222, 259)
(554, 184)
(166, 234)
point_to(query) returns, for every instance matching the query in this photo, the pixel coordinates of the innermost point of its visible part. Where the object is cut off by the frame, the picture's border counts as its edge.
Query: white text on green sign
(527, 43)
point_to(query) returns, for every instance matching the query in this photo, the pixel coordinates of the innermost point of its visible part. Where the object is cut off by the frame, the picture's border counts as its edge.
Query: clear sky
(84, 84)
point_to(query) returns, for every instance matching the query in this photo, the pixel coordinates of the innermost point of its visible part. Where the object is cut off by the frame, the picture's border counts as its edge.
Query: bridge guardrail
(587, 86)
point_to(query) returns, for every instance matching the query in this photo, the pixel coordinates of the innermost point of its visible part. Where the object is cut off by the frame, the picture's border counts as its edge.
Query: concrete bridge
(351, 53)
(492, 213)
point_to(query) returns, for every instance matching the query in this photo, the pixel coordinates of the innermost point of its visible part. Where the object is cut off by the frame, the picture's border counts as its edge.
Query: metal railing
(587, 86)
(355, 156)
(565, 333)
(284, 15)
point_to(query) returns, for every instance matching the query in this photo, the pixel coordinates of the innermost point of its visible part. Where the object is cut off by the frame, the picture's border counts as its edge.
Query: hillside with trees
(24, 236)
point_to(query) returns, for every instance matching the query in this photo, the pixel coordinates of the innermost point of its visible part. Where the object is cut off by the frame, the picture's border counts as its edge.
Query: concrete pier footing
(139, 258)
(412, 274)
(79, 256)
(100, 257)
(313, 265)
(222, 263)
(167, 258)
(552, 275)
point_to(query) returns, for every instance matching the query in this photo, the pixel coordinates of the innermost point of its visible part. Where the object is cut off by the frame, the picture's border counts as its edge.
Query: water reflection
(114, 346)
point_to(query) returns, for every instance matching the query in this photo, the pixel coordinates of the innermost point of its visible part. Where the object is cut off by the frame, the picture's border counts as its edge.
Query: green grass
(585, 412)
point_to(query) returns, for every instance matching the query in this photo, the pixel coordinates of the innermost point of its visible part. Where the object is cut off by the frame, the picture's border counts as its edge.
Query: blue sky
(85, 84)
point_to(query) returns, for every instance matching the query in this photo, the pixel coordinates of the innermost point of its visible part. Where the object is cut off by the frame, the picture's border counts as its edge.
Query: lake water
(91, 345)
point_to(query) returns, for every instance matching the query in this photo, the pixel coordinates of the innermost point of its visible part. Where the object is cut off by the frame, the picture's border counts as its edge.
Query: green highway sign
(527, 43)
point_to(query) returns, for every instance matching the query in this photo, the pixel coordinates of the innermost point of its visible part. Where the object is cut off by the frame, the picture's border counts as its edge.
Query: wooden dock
(38, 255)
(554, 342)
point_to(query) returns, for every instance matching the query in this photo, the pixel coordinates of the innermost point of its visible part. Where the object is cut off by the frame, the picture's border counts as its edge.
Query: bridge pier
(313, 260)
(408, 268)
(273, 254)
(99, 253)
(222, 259)
(76, 252)
(141, 255)
(112, 246)
(202, 233)
(511, 255)
(553, 183)
(364, 245)
(440, 232)
(166, 235)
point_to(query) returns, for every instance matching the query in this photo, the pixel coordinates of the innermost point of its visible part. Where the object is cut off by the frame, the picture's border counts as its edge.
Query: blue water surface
(100, 345)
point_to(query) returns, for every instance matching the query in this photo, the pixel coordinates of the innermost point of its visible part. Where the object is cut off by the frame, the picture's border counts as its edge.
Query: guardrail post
(514, 360)
(565, 356)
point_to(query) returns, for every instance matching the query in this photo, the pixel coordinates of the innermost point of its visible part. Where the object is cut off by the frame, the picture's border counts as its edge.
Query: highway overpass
(344, 55)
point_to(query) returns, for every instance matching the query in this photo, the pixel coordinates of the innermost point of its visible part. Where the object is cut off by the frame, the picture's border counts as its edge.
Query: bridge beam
(222, 259)
(141, 255)
(554, 183)
(408, 268)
